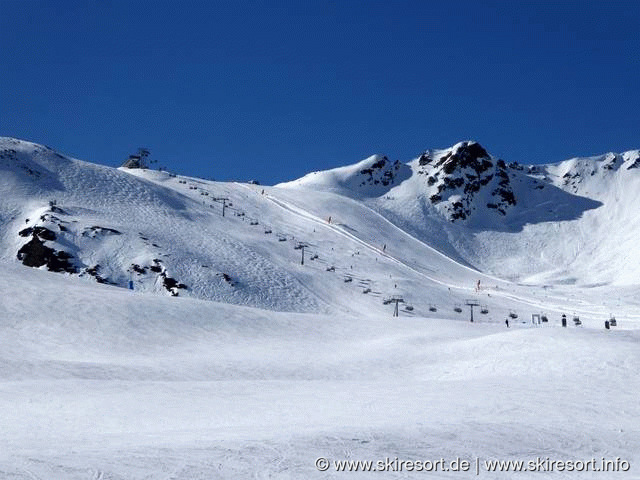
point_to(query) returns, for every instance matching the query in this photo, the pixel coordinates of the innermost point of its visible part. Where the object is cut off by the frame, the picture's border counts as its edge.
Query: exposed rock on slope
(35, 252)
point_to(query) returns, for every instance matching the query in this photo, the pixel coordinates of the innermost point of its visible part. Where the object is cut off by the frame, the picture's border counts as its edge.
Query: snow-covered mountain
(464, 213)
(462, 184)
(154, 325)
(570, 222)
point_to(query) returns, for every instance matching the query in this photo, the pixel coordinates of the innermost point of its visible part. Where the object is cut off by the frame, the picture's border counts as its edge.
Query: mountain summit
(460, 175)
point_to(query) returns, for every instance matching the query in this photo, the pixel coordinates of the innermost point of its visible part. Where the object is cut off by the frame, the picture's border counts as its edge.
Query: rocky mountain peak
(457, 176)
(465, 155)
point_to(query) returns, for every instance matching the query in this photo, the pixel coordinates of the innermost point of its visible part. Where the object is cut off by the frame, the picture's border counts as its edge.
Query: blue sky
(272, 90)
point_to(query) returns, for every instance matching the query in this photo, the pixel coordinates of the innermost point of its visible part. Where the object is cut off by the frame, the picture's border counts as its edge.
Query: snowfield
(230, 359)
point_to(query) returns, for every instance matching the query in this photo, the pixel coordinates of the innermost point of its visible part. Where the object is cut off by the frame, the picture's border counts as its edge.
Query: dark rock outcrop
(36, 254)
(461, 174)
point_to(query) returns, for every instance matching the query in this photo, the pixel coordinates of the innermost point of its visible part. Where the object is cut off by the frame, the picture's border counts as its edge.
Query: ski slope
(100, 382)
(261, 364)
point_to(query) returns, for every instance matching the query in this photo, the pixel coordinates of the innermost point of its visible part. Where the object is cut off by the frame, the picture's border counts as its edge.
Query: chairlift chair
(513, 314)
(484, 310)
(432, 308)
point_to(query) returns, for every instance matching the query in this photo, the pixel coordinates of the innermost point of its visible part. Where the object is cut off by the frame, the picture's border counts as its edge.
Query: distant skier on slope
(506, 321)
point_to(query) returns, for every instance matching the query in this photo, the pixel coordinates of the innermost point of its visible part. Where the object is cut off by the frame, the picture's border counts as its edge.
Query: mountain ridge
(163, 233)
(456, 175)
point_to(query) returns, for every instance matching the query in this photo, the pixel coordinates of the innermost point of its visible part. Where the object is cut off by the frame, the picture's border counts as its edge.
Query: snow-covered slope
(99, 382)
(572, 222)
(118, 227)
(230, 358)
(372, 177)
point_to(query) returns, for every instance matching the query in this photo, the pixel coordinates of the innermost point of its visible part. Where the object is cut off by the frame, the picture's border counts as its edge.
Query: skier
(506, 321)
(329, 219)
(384, 247)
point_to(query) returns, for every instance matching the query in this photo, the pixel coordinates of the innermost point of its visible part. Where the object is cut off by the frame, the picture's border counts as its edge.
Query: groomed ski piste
(171, 341)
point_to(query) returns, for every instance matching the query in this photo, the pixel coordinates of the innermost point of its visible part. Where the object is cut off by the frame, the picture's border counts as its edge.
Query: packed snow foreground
(144, 334)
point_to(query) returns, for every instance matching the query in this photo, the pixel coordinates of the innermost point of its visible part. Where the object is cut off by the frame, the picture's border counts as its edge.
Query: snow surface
(259, 374)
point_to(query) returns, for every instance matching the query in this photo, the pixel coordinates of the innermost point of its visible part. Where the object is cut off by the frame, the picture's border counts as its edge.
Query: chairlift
(409, 308)
(513, 314)
(282, 238)
(366, 290)
(314, 256)
(253, 222)
(612, 321)
(576, 321)
(544, 318)
(331, 269)
(387, 301)
(267, 230)
(457, 309)
(432, 308)
(348, 279)
(484, 309)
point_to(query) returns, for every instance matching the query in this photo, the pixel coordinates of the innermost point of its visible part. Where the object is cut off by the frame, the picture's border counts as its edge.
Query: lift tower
(471, 304)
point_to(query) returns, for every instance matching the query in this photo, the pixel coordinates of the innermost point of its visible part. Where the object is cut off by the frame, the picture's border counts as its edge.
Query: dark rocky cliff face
(464, 174)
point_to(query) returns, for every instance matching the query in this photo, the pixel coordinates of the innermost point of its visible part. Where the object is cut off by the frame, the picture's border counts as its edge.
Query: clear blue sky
(273, 89)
